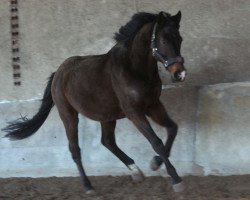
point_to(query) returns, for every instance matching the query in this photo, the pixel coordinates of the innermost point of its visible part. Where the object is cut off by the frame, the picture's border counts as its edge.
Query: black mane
(127, 32)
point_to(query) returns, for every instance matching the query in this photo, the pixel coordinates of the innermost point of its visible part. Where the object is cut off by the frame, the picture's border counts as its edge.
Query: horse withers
(124, 82)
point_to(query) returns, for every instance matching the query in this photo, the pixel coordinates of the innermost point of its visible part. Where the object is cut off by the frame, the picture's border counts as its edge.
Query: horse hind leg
(69, 117)
(108, 140)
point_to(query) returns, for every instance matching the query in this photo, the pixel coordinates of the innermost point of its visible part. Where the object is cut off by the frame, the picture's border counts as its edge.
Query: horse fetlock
(136, 174)
(154, 166)
(155, 163)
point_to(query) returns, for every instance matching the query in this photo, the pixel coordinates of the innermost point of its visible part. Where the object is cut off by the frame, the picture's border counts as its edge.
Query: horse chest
(143, 95)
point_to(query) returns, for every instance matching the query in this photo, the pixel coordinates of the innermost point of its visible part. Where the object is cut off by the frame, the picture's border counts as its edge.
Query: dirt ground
(112, 188)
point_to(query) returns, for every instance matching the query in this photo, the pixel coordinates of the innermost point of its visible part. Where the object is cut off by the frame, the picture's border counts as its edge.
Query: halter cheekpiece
(161, 58)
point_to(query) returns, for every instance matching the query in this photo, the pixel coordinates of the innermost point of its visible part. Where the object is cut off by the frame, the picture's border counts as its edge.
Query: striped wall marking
(14, 28)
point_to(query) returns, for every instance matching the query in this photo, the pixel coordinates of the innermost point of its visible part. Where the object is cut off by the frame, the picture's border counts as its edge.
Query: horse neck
(141, 53)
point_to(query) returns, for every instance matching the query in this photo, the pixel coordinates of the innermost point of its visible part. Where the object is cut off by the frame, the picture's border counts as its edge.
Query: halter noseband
(161, 58)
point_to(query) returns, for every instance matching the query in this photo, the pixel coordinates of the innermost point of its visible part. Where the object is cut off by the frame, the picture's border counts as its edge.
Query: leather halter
(161, 58)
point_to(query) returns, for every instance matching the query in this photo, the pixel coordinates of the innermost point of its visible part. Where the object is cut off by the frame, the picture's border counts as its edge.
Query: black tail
(23, 127)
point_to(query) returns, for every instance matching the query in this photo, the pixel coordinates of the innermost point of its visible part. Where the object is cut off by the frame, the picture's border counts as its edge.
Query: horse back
(85, 83)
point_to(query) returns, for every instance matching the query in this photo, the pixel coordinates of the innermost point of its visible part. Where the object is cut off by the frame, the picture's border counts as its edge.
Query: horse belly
(104, 107)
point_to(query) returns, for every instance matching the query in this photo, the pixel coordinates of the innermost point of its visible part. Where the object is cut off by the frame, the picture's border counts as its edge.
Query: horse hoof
(136, 173)
(90, 192)
(137, 177)
(179, 187)
(153, 165)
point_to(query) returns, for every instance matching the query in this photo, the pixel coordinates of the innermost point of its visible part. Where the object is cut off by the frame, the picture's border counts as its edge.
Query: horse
(122, 83)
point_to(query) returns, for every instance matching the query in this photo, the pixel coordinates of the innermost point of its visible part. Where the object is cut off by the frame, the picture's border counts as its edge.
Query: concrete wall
(222, 138)
(213, 119)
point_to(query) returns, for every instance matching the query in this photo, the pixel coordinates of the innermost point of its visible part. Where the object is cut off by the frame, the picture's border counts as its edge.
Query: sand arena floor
(111, 188)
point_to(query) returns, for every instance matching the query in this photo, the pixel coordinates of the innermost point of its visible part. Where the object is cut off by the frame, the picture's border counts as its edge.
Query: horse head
(166, 44)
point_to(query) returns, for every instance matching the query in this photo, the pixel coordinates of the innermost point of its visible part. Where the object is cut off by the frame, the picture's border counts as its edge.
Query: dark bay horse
(121, 83)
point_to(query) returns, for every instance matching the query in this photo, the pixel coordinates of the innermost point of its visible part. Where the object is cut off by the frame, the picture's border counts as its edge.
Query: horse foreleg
(108, 140)
(159, 115)
(144, 127)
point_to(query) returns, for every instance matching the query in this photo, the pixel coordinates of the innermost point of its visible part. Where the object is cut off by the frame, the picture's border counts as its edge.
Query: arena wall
(211, 107)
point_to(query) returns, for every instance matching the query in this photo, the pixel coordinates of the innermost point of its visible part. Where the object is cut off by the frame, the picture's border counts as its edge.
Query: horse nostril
(177, 75)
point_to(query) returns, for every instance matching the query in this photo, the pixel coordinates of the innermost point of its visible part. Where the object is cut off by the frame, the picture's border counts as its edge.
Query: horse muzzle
(179, 76)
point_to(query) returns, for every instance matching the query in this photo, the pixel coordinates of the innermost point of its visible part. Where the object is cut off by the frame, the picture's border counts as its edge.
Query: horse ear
(177, 18)
(162, 18)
